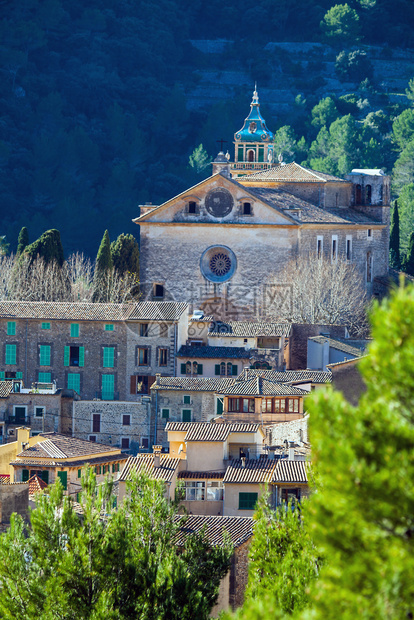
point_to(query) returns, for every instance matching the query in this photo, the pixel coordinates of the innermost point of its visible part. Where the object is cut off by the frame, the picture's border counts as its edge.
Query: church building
(221, 244)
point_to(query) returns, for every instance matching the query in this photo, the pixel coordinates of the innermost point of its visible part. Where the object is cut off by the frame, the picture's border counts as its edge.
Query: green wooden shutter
(74, 330)
(200, 369)
(2, 375)
(81, 356)
(79, 473)
(44, 355)
(186, 415)
(183, 369)
(217, 369)
(19, 375)
(108, 357)
(11, 328)
(45, 476)
(165, 413)
(11, 354)
(25, 475)
(63, 476)
(74, 382)
(108, 383)
(66, 356)
(234, 370)
(219, 409)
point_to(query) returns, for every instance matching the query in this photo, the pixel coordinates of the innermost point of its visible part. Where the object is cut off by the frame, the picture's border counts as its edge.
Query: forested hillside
(102, 103)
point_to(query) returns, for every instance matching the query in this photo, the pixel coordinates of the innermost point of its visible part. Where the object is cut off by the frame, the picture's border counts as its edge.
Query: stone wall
(112, 429)
(239, 575)
(202, 406)
(296, 430)
(13, 498)
(298, 341)
(347, 379)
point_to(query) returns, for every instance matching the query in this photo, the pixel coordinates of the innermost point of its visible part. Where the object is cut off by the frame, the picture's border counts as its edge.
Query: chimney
(291, 454)
(157, 455)
(246, 372)
(157, 378)
(243, 461)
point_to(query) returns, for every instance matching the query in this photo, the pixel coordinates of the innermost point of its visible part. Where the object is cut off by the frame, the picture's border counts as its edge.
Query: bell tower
(253, 143)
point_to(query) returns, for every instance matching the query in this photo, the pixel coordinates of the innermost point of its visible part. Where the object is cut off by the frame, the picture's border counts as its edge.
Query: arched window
(250, 155)
(229, 369)
(223, 369)
(188, 368)
(368, 192)
(358, 195)
(195, 368)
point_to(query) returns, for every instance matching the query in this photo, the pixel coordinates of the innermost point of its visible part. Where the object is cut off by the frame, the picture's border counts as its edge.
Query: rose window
(220, 264)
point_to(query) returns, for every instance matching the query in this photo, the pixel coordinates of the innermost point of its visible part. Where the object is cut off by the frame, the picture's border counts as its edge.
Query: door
(20, 414)
(63, 476)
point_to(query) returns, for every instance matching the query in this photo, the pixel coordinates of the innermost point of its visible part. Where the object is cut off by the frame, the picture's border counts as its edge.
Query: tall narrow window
(44, 355)
(358, 194)
(223, 369)
(368, 193)
(163, 357)
(349, 248)
(158, 291)
(108, 384)
(247, 208)
(369, 266)
(192, 206)
(250, 155)
(11, 354)
(74, 330)
(319, 247)
(143, 330)
(11, 328)
(108, 357)
(96, 423)
(334, 247)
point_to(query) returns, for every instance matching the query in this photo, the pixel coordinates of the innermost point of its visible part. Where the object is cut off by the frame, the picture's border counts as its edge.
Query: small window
(159, 291)
(247, 208)
(11, 354)
(349, 248)
(368, 194)
(319, 248)
(143, 330)
(144, 443)
(163, 357)
(96, 423)
(109, 327)
(45, 326)
(93, 439)
(143, 357)
(194, 490)
(39, 412)
(125, 443)
(187, 399)
(369, 266)
(45, 377)
(126, 420)
(74, 330)
(79, 473)
(44, 355)
(186, 415)
(192, 207)
(11, 328)
(215, 490)
(369, 232)
(334, 247)
(165, 414)
(142, 384)
(247, 501)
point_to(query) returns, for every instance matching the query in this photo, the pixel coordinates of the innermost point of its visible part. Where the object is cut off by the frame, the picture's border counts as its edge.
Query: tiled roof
(291, 471)
(240, 529)
(109, 458)
(210, 431)
(145, 310)
(199, 475)
(249, 329)
(352, 347)
(289, 376)
(257, 386)
(193, 384)
(4, 478)
(145, 463)
(36, 484)
(5, 388)
(310, 213)
(56, 446)
(290, 173)
(189, 351)
(255, 471)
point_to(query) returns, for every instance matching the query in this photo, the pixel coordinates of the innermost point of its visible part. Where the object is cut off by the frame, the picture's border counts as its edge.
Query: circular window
(218, 264)
(219, 202)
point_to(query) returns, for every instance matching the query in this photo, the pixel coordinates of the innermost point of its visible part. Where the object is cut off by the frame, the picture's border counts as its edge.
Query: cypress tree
(395, 261)
(48, 246)
(104, 257)
(409, 263)
(125, 254)
(22, 240)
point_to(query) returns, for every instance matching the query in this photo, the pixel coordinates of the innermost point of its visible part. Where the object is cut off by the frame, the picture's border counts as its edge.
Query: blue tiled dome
(254, 128)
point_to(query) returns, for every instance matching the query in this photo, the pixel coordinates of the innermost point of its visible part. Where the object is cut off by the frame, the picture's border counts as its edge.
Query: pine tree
(395, 261)
(23, 240)
(104, 257)
(104, 268)
(409, 262)
(48, 246)
(125, 254)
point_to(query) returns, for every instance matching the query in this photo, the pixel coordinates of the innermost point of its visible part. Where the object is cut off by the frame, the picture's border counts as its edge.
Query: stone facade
(13, 498)
(296, 431)
(298, 341)
(117, 421)
(182, 406)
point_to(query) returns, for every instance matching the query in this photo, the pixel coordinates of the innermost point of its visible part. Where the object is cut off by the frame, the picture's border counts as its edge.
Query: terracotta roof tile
(36, 484)
(240, 529)
(289, 376)
(202, 352)
(41, 462)
(291, 471)
(290, 173)
(5, 388)
(258, 386)
(199, 475)
(189, 384)
(145, 463)
(254, 471)
(57, 446)
(210, 431)
(249, 329)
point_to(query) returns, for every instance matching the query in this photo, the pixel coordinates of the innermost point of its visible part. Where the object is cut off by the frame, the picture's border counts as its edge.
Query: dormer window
(246, 208)
(192, 207)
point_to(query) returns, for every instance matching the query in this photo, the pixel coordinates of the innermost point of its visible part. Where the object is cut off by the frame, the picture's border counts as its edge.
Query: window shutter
(157, 356)
(200, 369)
(25, 475)
(81, 356)
(66, 356)
(45, 476)
(234, 370)
(217, 369)
(219, 407)
(183, 369)
(63, 475)
(134, 384)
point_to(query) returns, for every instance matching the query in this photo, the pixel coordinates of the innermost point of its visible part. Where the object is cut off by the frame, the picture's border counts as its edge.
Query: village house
(56, 456)
(323, 351)
(101, 351)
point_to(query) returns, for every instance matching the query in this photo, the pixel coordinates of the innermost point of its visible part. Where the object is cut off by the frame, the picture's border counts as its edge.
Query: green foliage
(403, 173)
(4, 246)
(341, 23)
(409, 262)
(285, 143)
(199, 159)
(354, 66)
(406, 215)
(104, 260)
(125, 254)
(23, 240)
(395, 261)
(110, 564)
(48, 246)
(324, 113)
(403, 128)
